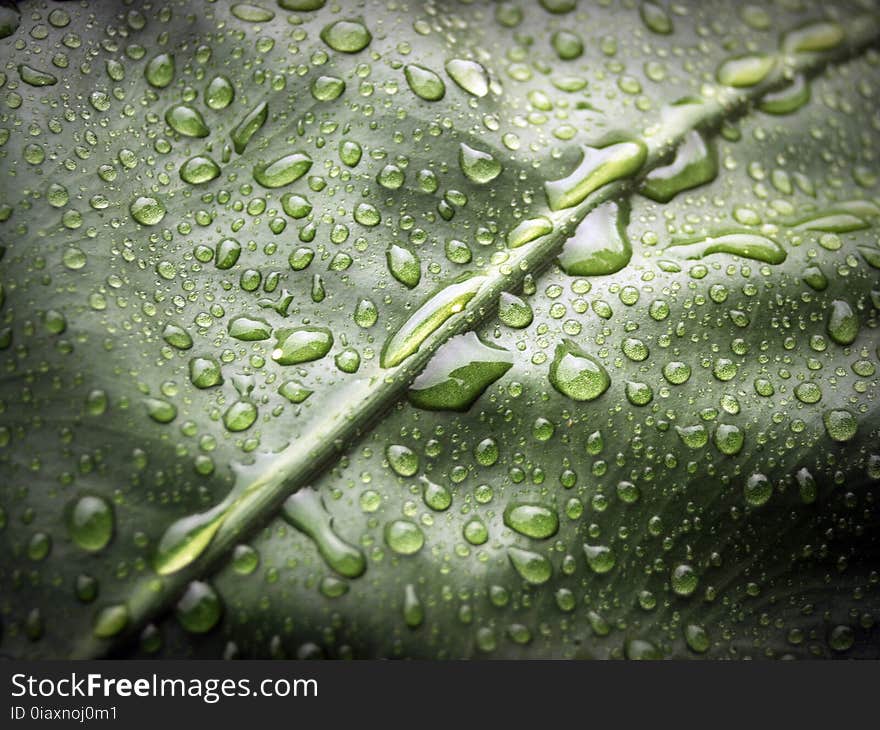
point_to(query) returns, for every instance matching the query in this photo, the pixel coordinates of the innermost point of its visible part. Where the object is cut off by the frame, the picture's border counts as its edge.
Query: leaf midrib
(273, 477)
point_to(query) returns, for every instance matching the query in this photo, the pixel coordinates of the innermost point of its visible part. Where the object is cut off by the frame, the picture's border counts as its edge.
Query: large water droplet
(598, 167)
(600, 244)
(788, 99)
(220, 93)
(458, 374)
(843, 323)
(404, 537)
(529, 230)
(404, 265)
(746, 244)
(531, 520)
(695, 164)
(513, 311)
(744, 71)
(147, 211)
(252, 122)
(424, 82)
(160, 70)
(469, 75)
(532, 567)
(301, 344)
(283, 171)
(840, 425)
(814, 37)
(199, 170)
(186, 120)
(577, 375)
(305, 511)
(446, 303)
(199, 609)
(90, 522)
(479, 167)
(346, 36)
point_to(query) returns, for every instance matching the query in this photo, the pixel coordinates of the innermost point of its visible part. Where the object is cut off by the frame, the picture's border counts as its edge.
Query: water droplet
(251, 13)
(694, 164)
(449, 301)
(346, 36)
(204, 372)
(807, 487)
(35, 77)
(302, 5)
(513, 311)
(404, 537)
(641, 650)
(10, 18)
(729, 439)
(694, 437)
(301, 344)
(220, 93)
(599, 166)
(404, 265)
(656, 18)
(252, 122)
(436, 496)
(327, 88)
(283, 171)
(528, 230)
(424, 82)
(350, 152)
(402, 459)
(240, 416)
(160, 70)
(479, 167)
(758, 490)
(843, 323)
(110, 621)
(199, 170)
(249, 329)
(841, 638)
(600, 244)
(745, 244)
(186, 120)
(684, 580)
(832, 222)
(177, 337)
(788, 99)
(532, 567)
(567, 45)
(840, 425)
(744, 71)
(458, 374)
(294, 391)
(696, 638)
(147, 211)
(90, 522)
(469, 75)
(532, 520)
(600, 558)
(199, 609)
(160, 411)
(576, 374)
(305, 511)
(814, 37)
(413, 611)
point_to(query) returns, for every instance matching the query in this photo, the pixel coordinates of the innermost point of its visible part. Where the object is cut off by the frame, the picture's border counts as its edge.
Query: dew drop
(576, 374)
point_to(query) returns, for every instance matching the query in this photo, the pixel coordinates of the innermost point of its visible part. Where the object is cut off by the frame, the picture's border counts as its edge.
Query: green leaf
(501, 329)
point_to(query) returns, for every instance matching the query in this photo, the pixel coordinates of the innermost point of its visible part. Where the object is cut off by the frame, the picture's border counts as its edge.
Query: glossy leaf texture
(446, 330)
